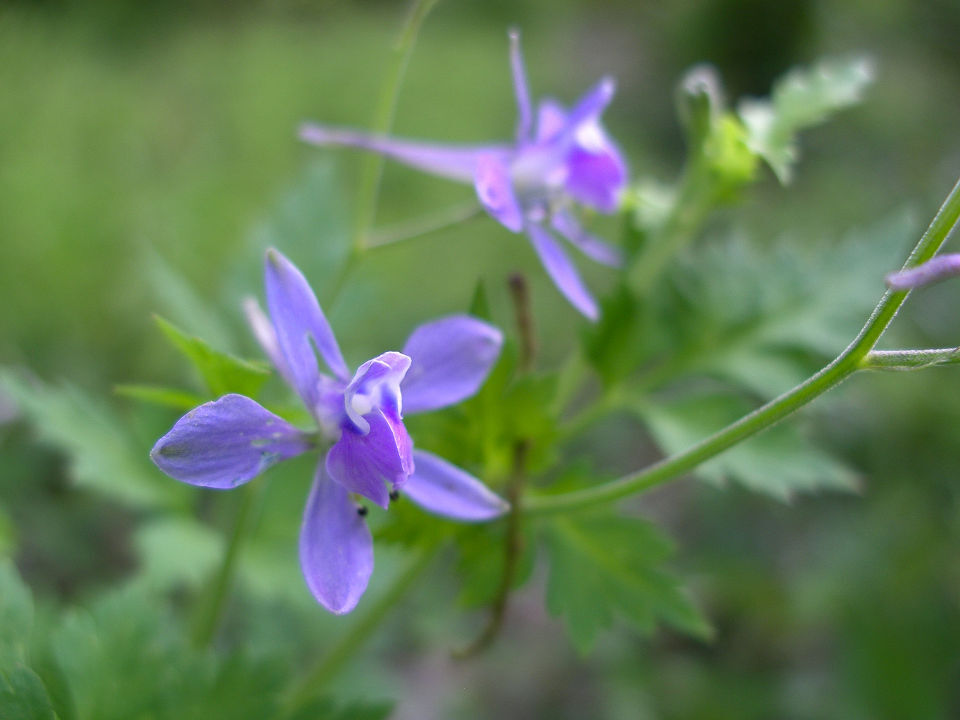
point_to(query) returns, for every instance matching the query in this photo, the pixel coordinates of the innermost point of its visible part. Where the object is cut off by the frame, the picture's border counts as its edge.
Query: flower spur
(559, 159)
(227, 442)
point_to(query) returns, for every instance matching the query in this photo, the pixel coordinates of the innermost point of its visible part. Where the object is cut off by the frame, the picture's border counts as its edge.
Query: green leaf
(22, 694)
(102, 454)
(766, 317)
(177, 552)
(803, 98)
(221, 373)
(480, 562)
(16, 611)
(162, 396)
(604, 567)
(780, 461)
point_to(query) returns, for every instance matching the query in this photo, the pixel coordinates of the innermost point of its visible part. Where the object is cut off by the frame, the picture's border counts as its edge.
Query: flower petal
(524, 105)
(225, 443)
(336, 547)
(376, 384)
(551, 120)
(932, 271)
(446, 490)
(450, 359)
(266, 336)
(596, 172)
(591, 246)
(364, 463)
(562, 271)
(495, 191)
(593, 103)
(456, 162)
(298, 320)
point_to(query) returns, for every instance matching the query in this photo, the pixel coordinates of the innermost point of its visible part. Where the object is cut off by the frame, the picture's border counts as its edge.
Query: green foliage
(803, 98)
(605, 566)
(480, 562)
(221, 373)
(780, 461)
(176, 552)
(101, 451)
(161, 396)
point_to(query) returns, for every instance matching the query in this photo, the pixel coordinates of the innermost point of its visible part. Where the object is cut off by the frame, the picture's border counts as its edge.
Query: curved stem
(372, 167)
(848, 362)
(910, 359)
(320, 674)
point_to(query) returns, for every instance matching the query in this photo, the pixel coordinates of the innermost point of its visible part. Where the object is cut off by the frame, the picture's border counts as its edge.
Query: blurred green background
(130, 131)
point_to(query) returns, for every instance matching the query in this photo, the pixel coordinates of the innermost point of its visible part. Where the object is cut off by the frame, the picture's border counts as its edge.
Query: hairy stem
(372, 167)
(910, 359)
(848, 362)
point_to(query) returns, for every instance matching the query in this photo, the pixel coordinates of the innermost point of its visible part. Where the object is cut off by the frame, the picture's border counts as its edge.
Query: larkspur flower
(562, 159)
(227, 442)
(932, 271)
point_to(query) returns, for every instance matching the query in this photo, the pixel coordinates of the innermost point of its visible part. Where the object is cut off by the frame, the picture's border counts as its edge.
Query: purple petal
(376, 385)
(266, 336)
(364, 463)
(562, 271)
(593, 103)
(225, 443)
(551, 120)
(935, 270)
(446, 490)
(596, 173)
(495, 191)
(450, 359)
(591, 246)
(520, 87)
(336, 547)
(456, 162)
(300, 326)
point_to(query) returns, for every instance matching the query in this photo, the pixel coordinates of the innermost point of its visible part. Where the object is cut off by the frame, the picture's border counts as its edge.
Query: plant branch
(910, 359)
(848, 362)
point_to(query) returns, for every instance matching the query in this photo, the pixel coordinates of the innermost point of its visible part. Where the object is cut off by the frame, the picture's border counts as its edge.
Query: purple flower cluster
(227, 442)
(560, 158)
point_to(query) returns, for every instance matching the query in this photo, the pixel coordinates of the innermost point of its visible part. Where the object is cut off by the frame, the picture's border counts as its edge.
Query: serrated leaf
(161, 396)
(221, 373)
(605, 567)
(780, 461)
(102, 455)
(803, 98)
(177, 552)
(766, 317)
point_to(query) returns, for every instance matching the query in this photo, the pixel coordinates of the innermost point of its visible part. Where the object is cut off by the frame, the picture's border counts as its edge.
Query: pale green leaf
(801, 99)
(780, 461)
(177, 552)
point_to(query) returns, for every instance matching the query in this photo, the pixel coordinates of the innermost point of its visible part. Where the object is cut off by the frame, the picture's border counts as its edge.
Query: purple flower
(227, 442)
(559, 158)
(932, 271)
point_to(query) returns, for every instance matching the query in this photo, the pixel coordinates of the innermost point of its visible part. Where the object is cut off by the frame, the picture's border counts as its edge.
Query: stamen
(362, 510)
(394, 495)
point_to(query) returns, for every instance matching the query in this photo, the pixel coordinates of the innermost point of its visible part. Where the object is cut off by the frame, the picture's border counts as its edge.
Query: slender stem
(523, 316)
(372, 167)
(910, 359)
(350, 642)
(849, 361)
(512, 549)
(423, 226)
(210, 610)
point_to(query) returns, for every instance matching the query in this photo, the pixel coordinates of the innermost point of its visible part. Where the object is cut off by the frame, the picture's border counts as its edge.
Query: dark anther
(394, 495)
(362, 510)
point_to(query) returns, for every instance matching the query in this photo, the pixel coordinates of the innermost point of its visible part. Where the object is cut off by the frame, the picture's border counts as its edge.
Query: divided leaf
(801, 99)
(604, 567)
(780, 461)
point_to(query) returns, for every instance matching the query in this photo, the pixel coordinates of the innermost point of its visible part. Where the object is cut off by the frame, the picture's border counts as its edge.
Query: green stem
(848, 362)
(910, 359)
(320, 674)
(423, 226)
(372, 167)
(210, 611)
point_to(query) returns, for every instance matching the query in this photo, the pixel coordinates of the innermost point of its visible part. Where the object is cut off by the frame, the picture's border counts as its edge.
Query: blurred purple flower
(227, 442)
(561, 158)
(932, 271)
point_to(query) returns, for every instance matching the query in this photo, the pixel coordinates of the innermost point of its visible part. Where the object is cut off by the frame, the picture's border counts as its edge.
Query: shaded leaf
(177, 551)
(605, 567)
